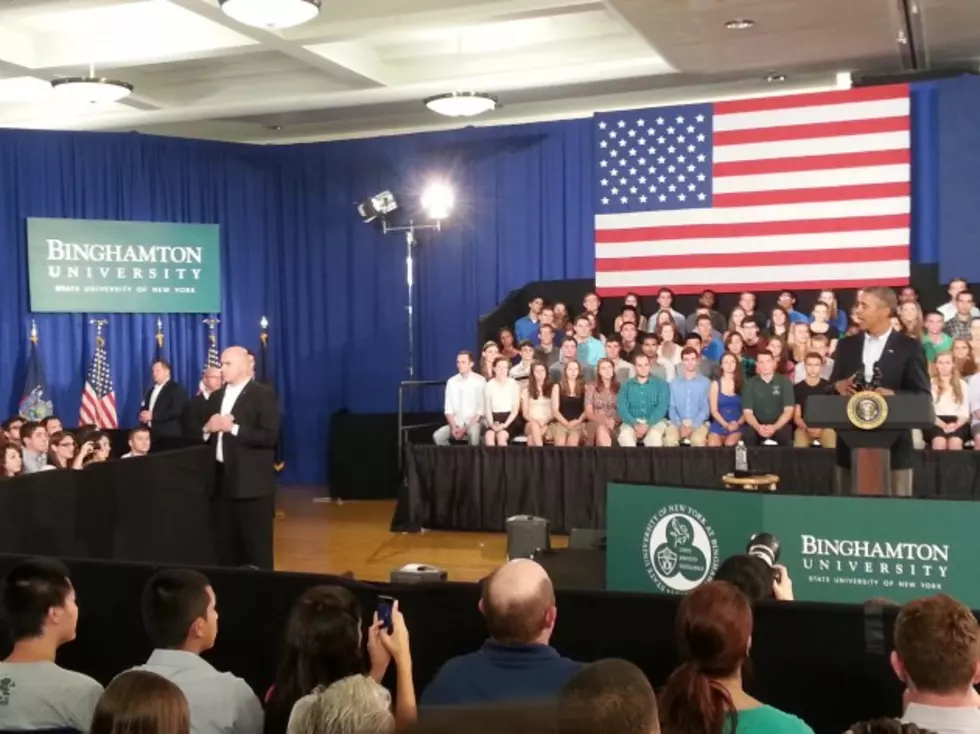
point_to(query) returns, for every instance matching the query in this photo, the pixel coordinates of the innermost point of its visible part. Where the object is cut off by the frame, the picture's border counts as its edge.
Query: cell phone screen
(385, 605)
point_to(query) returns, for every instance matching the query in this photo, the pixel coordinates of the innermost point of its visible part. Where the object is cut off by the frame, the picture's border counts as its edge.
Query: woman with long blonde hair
(799, 341)
(735, 321)
(966, 364)
(910, 314)
(952, 405)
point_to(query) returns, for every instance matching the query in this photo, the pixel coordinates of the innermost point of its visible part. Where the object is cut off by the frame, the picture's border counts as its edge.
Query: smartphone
(385, 605)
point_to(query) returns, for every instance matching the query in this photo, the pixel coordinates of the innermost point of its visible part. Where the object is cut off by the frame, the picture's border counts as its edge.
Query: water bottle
(741, 458)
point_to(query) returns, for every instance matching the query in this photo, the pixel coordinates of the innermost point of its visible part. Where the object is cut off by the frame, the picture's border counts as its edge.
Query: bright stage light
(437, 200)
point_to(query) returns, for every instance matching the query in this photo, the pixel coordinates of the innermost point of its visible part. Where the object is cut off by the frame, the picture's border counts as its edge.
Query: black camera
(765, 546)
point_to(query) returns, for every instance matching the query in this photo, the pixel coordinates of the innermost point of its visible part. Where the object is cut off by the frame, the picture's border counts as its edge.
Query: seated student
(768, 405)
(589, 349)
(547, 352)
(688, 411)
(11, 429)
(35, 441)
(629, 314)
(61, 450)
(951, 402)
(13, 463)
(642, 405)
(608, 696)
(38, 603)
(820, 324)
(812, 384)
(522, 370)
(569, 353)
(139, 442)
(568, 407)
(776, 346)
(526, 327)
(52, 425)
(659, 367)
(799, 342)
(820, 344)
(707, 367)
(464, 404)
(508, 345)
(935, 340)
(787, 302)
(624, 370)
(628, 338)
(725, 402)
(712, 343)
(136, 701)
(536, 405)
(181, 619)
(502, 397)
(600, 406)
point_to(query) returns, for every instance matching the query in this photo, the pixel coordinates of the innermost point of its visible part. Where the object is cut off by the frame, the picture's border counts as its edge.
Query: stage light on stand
(379, 205)
(437, 201)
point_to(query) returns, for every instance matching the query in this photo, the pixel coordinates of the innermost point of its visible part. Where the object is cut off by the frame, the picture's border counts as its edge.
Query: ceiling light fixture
(776, 78)
(91, 89)
(739, 24)
(271, 13)
(461, 104)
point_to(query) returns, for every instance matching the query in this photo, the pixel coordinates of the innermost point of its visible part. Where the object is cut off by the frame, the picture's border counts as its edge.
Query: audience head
(628, 313)
(11, 429)
(830, 298)
(776, 348)
(140, 702)
(569, 347)
(611, 696)
(693, 341)
(526, 348)
(875, 308)
(605, 372)
(61, 448)
(506, 338)
(546, 334)
(730, 365)
(641, 363)
(628, 331)
(322, 645)
(518, 604)
(689, 359)
(139, 441)
(501, 368)
(956, 286)
(613, 347)
(161, 371)
(211, 377)
(749, 574)
(821, 312)
(632, 300)
(535, 305)
(13, 463)
(583, 326)
(708, 298)
(591, 302)
(750, 329)
(665, 299)
(964, 303)
(489, 353)
(908, 294)
(464, 362)
(668, 332)
(813, 364)
(765, 364)
(937, 648)
(786, 300)
(547, 316)
(561, 312)
(235, 369)
(571, 371)
(704, 327)
(934, 323)
(34, 438)
(651, 343)
(539, 380)
(38, 602)
(714, 631)
(819, 343)
(354, 705)
(778, 317)
(52, 425)
(746, 301)
(736, 317)
(735, 344)
(179, 611)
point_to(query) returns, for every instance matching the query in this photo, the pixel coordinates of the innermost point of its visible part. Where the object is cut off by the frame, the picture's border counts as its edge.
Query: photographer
(757, 573)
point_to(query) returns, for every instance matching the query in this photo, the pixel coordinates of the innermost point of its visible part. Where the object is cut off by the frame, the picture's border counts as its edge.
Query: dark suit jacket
(903, 369)
(195, 416)
(249, 457)
(168, 410)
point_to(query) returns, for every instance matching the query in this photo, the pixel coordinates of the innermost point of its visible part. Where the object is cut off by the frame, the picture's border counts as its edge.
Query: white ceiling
(362, 68)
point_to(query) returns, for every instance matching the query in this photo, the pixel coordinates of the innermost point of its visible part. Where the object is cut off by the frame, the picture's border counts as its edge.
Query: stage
(478, 488)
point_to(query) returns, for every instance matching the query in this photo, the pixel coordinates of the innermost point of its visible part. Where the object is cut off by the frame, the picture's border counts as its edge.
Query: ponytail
(693, 703)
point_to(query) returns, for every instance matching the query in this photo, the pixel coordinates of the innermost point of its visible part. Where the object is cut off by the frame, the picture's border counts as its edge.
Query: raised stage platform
(478, 488)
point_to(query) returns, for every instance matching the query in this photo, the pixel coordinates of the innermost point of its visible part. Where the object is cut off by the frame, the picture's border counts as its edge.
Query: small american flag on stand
(801, 191)
(213, 359)
(99, 396)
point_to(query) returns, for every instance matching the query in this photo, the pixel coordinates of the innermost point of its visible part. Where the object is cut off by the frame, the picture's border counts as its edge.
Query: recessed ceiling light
(776, 78)
(91, 89)
(271, 13)
(461, 104)
(739, 24)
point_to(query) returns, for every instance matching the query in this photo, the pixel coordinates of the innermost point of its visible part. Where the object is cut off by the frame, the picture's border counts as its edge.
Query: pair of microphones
(861, 381)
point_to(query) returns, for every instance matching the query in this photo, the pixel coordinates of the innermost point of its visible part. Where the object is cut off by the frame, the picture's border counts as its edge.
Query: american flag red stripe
(803, 191)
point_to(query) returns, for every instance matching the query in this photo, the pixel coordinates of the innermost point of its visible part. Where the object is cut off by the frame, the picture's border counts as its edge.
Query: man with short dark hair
(712, 343)
(52, 425)
(463, 404)
(35, 441)
(516, 663)
(958, 327)
(569, 353)
(139, 442)
(706, 307)
(937, 657)
(812, 384)
(611, 696)
(787, 302)
(11, 429)
(590, 349)
(181, 619)
(707, 367)
(665, 302)
(688, 411)
(628, 333)
(642, 404)
(526, 327)
(948, 309)
(38, 606)
(547, 352)
(163, 407)
(624, 370)
(768, 404)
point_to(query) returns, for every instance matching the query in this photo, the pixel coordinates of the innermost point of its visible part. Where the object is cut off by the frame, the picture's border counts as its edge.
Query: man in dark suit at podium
(243, 428)
(894, 361)
(163, 406)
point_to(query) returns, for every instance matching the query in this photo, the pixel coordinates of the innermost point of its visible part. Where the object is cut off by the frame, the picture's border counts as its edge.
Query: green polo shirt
(767, 399)
(933, 349)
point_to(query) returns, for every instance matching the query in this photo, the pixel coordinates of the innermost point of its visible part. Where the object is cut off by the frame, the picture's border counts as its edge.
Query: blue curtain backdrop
(295, 251)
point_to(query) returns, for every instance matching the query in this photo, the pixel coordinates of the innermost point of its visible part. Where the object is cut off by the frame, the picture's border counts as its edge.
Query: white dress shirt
(874, 347)
(227, 403)
(943, 719)
(464, 397)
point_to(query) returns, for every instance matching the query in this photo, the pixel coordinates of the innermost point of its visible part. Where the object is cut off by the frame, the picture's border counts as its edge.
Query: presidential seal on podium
(867, 410)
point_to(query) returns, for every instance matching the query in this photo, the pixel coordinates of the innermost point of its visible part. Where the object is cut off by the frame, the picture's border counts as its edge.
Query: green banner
(91, 265)
(836, 549)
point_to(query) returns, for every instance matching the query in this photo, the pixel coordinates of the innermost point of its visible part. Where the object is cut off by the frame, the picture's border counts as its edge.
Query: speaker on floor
(418, 573)
(527, 534)
(587, 539)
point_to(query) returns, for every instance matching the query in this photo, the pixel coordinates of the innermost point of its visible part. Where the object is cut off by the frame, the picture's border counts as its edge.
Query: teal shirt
(648, 401)
(768, 720)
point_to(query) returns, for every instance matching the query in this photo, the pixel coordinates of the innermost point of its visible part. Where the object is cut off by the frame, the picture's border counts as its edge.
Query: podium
(869, 424)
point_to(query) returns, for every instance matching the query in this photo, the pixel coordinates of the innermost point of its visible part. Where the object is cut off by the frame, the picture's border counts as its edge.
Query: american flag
(802, 191)
(99, 396)
(213, 359)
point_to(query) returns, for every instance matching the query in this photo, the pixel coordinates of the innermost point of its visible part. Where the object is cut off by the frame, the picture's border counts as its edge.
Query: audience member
(670, 350)
(707, 367)
(665, 304)
(819, 345)
(561, 318)
(642, 404)
(34, 439)
(508, 345)
(910, 315)
(958, 326)
(752, 341)
(624, 370)
(181, 619)
(13, 464)
(630, 314)
(11, 429)
(949, 309)
(735, 345)
(777, 347)
(755, 578)
(526, 327)
(735, 319)
(908, 294)
(516, 663)
(139, 443)
(611, 696)
(628, 335)
(800, 341)
(536, 405)
(838, 317)
(725, 403)
(61, 450)
(591, 303)
(659, 367)
(747, 303)
(569, 353)
(950, 400)
(464, 404)
(706, 306)
(688, 410)
(600, 405)
(786, 300)
(568, 407)
(820, 324)
(937, 657)
(589, 349)
(712, 343)
(39, 610)
(488, 354)
(768, 405)
(137, 702)
(812, 384)
(52, 425)
(705, 694)
(633, 301)
(502, 404)
(547, 351)
(963, 358)
(779, 323)
(163, 406)
(352, 705)
(522, 370)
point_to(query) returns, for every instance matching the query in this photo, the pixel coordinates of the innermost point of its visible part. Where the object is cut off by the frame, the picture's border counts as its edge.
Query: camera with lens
(766, 547)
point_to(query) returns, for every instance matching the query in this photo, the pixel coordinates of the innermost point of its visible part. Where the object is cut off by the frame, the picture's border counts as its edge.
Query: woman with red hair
(705, 695)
